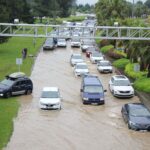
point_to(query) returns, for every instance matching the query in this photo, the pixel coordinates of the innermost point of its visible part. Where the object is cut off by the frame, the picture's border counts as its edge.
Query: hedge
(121, 63)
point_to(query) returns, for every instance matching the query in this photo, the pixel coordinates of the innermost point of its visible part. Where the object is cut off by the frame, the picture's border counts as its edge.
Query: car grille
(124, 91)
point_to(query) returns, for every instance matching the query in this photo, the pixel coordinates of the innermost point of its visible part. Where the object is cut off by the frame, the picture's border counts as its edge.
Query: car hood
(105, 67)
(97, 58)
(123, 88)
(93, 95)
(81, 70)
(140, 120)
(50, 100)
(77, 60)
(3, 87)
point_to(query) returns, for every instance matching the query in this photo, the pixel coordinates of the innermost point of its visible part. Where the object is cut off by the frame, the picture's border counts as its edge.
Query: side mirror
(81, 90)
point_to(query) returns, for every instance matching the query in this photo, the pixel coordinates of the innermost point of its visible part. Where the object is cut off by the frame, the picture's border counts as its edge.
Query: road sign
(18, 61)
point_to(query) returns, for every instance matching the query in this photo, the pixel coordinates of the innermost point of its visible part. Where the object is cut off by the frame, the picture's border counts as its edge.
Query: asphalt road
(76, 126)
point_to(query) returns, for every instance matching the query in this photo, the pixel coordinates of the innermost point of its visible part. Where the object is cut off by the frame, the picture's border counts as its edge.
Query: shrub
(120, 53)
(107, 48)
(142, 84)
(129, 70)
(104, 43)
(121, 63)
(114, 54)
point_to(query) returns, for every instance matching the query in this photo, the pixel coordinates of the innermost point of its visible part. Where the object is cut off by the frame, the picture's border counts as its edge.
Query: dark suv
(15, 84)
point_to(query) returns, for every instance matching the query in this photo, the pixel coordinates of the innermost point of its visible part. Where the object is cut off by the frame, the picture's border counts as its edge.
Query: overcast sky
(91, 2)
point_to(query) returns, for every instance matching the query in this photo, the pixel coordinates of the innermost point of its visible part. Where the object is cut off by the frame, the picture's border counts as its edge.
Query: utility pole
(133, 9)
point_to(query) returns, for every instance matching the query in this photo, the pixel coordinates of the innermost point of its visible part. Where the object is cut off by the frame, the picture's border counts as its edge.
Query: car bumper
(50, 106)
(105, 70)
(124, 95)
(93, 101)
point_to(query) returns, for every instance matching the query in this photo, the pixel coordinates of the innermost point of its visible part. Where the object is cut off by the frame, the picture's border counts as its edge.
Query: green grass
(8, 53)
(8, 110)
(121, 63)
(142, 84)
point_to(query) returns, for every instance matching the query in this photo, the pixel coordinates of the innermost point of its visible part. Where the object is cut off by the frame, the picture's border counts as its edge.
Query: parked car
(49, 44)
(96, 57)
(75, 42)
(137, 116)
(15, 84)
(104, 66)
(81, 69)
(75, 58)
(120, 86)
(61, 43)
(90, 50)
(50, 98)
(92, 91)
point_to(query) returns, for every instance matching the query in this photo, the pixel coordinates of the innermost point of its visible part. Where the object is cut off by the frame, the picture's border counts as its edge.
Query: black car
(49, 44)
(15, 84)
(137, 116)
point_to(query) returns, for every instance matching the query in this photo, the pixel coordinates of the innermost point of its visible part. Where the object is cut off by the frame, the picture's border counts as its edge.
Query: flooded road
(76, 126)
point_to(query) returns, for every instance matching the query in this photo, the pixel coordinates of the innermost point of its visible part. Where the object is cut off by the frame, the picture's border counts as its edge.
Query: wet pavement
(76, 126)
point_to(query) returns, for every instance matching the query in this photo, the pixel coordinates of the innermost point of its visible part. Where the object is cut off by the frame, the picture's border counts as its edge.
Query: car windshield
(139, 112)
(122, 83)
(61, 40)
(87, 43)
(81, 66)
(104, 64)
(75, 40)
(97, 55)
(93, 89)
(77, 57)
(50, 94)
(7, 82)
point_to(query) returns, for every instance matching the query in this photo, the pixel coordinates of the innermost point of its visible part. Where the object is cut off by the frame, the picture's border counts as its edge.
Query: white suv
(120, 86)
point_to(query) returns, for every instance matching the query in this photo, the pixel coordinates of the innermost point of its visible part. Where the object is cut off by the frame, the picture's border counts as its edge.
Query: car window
(122, 83)
(139, 112)
(50, 94)
(76, 57)
(81, 66)
(93, 89)
(7, 82)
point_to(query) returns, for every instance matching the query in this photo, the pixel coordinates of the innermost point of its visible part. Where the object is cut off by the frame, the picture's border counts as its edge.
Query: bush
(120, 53)
(129, 70)
(107, 48)
(142, 84)
(121, 63)
(104, 43)
(114, 54)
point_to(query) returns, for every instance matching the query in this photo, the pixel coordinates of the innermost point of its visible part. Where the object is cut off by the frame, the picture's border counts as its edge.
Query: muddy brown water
(76, 126)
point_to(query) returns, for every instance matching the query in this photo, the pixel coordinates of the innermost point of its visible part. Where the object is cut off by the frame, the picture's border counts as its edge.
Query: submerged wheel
(28, 92)
(8, 94)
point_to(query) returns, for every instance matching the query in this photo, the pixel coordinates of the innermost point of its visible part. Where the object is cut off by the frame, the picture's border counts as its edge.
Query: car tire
(28, 92)
(8, 94)
(129, 126)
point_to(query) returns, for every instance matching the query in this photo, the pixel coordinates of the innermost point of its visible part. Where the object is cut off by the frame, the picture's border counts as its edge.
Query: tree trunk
(142, 65)
(148, 75)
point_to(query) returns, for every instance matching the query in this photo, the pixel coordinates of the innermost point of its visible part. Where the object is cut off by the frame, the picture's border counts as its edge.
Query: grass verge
(8, 53)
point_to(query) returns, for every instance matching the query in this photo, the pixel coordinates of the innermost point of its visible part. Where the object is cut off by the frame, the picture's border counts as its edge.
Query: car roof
(91, 80)
(50, 89)
(120, 77)
(76, 54)
(17, 75)
(136, 105)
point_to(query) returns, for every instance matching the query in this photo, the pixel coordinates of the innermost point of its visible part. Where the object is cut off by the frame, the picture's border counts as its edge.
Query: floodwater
(76, 126)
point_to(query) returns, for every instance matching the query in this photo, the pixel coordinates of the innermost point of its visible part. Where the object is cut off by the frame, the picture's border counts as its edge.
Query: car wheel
(129, 126)
(8, 94)
(28, 92)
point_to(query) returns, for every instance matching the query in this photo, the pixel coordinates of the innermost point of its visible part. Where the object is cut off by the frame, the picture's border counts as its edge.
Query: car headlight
(132, 123)
(85, 99)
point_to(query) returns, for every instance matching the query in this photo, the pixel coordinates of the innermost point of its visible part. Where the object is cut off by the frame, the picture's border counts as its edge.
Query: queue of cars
(136, 115)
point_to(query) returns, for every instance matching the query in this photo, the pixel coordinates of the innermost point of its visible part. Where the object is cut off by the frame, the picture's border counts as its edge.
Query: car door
(125, 113)
(18, 88)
